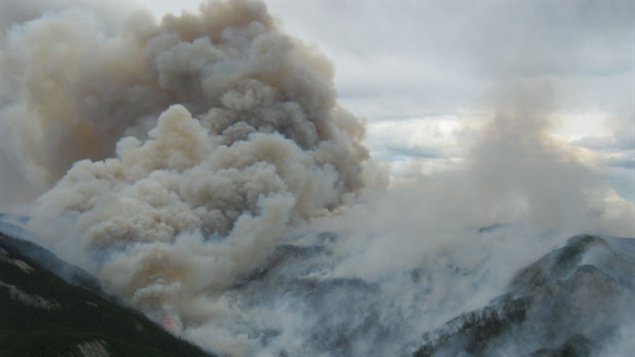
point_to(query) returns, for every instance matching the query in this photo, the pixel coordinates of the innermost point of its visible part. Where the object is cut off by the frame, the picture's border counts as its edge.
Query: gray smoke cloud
(194, 165)
(73, 86)
(255, 143)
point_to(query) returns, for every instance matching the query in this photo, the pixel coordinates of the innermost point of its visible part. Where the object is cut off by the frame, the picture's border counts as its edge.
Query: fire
(168, 324)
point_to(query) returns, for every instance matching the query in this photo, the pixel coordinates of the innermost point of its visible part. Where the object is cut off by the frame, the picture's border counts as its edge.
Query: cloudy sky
(422, 73)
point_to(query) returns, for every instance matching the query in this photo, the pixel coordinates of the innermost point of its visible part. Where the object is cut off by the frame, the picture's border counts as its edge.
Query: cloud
(627, 163)
(396, 63)
(620, 141)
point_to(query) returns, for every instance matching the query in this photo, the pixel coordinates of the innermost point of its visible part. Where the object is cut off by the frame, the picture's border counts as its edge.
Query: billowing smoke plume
(222, 130)
(75, 86)
(202, 169)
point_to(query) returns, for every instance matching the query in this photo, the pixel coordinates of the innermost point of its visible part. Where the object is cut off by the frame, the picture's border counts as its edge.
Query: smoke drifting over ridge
(516, 155)
(179, 158)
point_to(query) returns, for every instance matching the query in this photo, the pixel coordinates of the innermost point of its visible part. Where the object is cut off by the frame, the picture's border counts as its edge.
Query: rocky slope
(575, 301)
(50, 308)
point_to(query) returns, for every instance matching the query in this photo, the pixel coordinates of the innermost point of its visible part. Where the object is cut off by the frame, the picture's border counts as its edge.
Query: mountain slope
(575, 301)
(43, 315)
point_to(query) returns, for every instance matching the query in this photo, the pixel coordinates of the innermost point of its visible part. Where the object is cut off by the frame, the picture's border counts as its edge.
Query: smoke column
(174, 160)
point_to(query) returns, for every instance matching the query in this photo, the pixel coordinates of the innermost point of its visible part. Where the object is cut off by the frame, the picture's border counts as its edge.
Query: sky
(422, 73)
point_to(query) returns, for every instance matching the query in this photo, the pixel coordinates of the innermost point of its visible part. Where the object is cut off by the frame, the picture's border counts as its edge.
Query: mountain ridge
(45, 315)
(568, 302)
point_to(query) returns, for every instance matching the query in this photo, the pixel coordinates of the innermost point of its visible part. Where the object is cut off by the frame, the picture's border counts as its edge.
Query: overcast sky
(422, 72)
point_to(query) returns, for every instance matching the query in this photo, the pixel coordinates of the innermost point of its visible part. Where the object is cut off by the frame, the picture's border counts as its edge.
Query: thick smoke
(195, 165)
(74, 86)
(223, 133)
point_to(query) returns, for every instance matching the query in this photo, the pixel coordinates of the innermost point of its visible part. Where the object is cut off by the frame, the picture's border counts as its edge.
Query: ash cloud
(74, 86)
(209, 125)
(189, 163)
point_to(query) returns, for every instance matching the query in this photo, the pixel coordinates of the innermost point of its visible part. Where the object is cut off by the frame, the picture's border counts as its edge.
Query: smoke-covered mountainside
(16, 239)
(568, 303)
(44, 315)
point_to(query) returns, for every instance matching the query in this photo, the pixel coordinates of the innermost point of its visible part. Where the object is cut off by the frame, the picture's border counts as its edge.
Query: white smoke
(177, 158)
